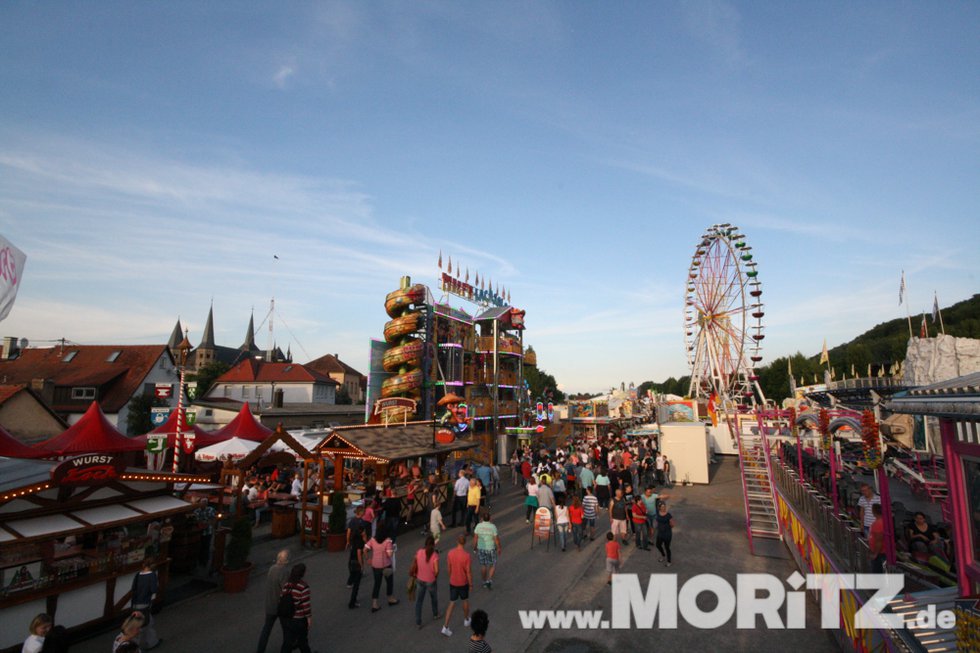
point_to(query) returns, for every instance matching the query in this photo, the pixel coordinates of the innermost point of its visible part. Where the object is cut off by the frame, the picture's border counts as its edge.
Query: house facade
(68, 378)
(26, 417)
(273, 384)
(346, 376)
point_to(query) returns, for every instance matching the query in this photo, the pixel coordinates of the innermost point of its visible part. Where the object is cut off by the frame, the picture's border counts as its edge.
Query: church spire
(207, 340)
(176, 336)
(249, 344)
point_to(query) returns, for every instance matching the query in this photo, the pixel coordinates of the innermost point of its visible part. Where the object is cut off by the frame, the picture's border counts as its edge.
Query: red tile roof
(254, 371)
(331, 364)
(9, 391)
(88, 367)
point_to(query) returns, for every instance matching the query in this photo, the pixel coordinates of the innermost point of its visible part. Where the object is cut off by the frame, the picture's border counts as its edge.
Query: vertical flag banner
(824, 355)
(935, 308)
(901, 289)
(12, 262)
(923, 330)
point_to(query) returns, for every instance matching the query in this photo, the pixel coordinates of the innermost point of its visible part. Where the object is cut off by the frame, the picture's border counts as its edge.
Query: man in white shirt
(297, 488)
(461, 487)
(661, 459)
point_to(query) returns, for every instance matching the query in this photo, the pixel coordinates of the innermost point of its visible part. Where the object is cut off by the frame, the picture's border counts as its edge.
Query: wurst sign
(90, 469)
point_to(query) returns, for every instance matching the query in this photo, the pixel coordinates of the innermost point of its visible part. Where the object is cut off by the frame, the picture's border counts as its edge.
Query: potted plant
(237, 566)
(337, 523)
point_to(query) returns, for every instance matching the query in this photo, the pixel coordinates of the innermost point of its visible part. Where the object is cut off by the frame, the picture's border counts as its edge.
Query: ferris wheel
(723, 314)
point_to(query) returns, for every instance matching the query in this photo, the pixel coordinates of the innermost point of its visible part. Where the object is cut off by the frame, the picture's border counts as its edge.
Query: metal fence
(841, 536)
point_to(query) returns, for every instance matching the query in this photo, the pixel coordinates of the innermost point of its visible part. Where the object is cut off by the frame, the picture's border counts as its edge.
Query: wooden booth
(368, 458)
(74, 533)
(282, 450)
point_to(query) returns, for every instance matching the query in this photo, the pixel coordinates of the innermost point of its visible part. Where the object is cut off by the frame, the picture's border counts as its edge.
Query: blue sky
(155, 155)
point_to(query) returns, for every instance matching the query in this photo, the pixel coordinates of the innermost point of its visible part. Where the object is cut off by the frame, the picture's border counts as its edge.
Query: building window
(113, 356)
(228, 392)
(258, 393)
(82, 393)
(245, 392)
(70, 355)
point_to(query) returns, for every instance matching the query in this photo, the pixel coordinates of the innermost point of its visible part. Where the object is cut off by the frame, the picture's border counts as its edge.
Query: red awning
(244, 426)
(11, 447)
(202, 438)
(91, 434)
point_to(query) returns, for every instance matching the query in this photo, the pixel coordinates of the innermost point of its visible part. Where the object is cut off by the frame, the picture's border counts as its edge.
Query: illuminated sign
(90, 469)
(460, 288)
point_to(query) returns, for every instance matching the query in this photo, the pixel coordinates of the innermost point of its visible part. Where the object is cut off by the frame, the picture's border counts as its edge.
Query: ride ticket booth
(73, 534)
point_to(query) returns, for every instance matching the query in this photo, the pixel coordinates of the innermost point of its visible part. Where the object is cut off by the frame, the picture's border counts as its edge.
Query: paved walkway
(709, 538)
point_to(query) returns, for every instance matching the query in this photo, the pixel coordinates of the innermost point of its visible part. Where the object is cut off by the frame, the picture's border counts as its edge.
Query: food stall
(74, 533)
(400, 455)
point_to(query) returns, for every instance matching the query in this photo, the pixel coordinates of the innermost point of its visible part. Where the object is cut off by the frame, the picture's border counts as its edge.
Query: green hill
(878, 347)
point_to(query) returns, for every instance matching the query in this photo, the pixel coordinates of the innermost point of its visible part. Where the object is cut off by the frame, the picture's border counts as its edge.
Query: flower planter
(236, 580)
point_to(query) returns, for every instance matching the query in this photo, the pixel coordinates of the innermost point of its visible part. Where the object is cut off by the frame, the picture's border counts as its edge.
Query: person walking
(618, 514)
(460, 489)
(575, 519)
(546, 497)
(602, 491)
(436, 525)
(665, 530)
(392, 511)
(486, 544)
(586, 479)
(660, 462)
(296, 628)
(531, 500)
(612, 556)
(206, 516)
(425, 570)
(381, 550)
(638, 514)
(562, 522)
(356, 561)
(143, 592)
(868, 499)
(275, 578)
(460, 582)
(590, 510)
(473, 495)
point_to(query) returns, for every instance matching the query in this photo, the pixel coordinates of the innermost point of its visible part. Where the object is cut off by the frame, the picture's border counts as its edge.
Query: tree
(206, 376)
(540, 382)
(138, 420)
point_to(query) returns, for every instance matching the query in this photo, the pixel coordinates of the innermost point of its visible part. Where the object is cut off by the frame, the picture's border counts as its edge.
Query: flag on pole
(923, 330)
(824, 355)
(789, 367)
(901, 289)
(853, 373)
(935, 308)
(440, 259)
(11, 272)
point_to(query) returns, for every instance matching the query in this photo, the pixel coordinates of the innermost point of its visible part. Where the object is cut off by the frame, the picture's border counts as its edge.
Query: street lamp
(182, 349)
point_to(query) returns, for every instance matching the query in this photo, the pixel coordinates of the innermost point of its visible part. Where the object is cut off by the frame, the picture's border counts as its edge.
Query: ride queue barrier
(843, 537)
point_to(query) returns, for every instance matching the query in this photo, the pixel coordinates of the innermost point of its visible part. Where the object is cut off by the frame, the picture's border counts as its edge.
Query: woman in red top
(296, 629)
(426, 568)
(575, 512)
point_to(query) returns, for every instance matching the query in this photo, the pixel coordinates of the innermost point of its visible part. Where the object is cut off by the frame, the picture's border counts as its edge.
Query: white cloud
(282, 75)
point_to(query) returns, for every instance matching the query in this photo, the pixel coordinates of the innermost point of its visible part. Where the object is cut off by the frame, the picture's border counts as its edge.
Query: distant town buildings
(346, 376)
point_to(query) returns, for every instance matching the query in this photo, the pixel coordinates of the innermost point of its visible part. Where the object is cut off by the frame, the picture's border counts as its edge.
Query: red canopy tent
(91, 434)
(244, 426)
(11, 447)
(202, 438)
